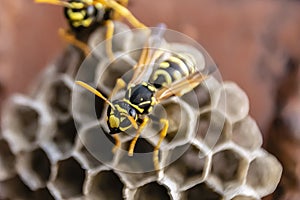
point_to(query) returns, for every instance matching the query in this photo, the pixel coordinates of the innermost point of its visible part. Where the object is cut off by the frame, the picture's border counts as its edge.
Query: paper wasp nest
(47, 137)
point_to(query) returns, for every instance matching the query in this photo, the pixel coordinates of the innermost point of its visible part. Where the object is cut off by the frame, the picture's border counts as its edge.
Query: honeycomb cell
(61, 140)
(188, 166)
(104, 185)
(57, 95)
(264, 174)
(67, 179)
(85, 157)
(182, 123)
(14, 188)
(201, 191)
(120, 42)
(140, 162)
(21, 123)
(34, 167)
(108, 72)
(152, 191)
(213, 128)
(7, 161)
(246, 134)
(43, 194)
(232, 102)
(97, 143)
(228, 167)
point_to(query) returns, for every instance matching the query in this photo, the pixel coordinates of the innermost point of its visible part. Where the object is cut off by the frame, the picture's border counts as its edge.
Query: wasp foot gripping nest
(52, 143)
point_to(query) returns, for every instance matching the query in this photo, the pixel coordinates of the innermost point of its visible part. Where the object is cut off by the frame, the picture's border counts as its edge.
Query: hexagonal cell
(246, 134)
(67, 179)
(228, 167)
(94, 145)
(34, 167)
(201, 191)
(182, 123)
(57, 95)
(14, 188)
(104, 185)
(86, 106)
(120, 42)
(213, 128)
(108, 72)
(43, 193)
(232, 101)
(152, 191)
(84, 156)
(188, 166)
(141, 161)
(62, 140)
(21, 123)
(7, 161)
(264, 174)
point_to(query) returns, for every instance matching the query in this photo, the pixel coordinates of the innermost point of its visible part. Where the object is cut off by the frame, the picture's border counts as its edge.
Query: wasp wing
(180, 87)
(150, 53)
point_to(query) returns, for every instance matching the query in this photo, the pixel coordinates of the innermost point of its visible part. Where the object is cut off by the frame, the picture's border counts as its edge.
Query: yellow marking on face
(120, 109)
(114, 122)
(164, 65)
(76, 16)
(181, 64)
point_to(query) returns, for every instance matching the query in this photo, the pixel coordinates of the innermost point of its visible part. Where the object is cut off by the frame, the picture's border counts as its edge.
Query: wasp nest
(55, 145)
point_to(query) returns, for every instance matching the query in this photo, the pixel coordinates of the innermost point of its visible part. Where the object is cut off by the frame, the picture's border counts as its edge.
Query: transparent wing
(180, 87)
(150, 53)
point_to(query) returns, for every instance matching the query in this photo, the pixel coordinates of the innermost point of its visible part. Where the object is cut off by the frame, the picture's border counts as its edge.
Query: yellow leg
(137, 135)
(163, 134)
(109, 34)
(74, 41)
(122, 11)
(117, 144)
(120, 84)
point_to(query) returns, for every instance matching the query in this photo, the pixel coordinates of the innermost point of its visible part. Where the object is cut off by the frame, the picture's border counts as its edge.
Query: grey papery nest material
(47, 136)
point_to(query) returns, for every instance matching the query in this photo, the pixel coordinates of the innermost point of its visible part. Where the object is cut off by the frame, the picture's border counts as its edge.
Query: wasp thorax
(118, 116)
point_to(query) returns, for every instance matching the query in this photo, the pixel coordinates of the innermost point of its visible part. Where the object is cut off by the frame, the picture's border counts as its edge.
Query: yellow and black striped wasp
(85, 15)
(175, 75)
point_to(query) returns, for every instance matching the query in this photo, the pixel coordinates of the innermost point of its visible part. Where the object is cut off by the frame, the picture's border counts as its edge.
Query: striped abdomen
(174, 68)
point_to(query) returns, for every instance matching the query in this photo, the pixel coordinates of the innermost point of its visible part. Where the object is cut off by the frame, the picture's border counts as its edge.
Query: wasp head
(121, 116)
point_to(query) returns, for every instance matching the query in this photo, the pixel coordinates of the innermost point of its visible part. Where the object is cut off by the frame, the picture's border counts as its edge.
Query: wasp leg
(123, 12)
(137, 135)
(74, 41)
(163, 134)
(117, 144)
(109, 34)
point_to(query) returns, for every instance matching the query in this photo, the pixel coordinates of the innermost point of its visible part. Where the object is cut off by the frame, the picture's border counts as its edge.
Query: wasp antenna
(94, 91)
(55, 2)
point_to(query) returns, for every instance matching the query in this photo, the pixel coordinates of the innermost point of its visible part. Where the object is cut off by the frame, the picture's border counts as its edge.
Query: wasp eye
(132, 112)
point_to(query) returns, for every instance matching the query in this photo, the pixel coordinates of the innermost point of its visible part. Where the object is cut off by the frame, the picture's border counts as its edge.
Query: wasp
(84, 16)
(175, 75)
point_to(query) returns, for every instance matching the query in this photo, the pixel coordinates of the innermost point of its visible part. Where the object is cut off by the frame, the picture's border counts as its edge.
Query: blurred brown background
(255, 43)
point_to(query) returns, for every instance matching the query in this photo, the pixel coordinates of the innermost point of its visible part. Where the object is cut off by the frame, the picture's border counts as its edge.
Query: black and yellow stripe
(172, 69)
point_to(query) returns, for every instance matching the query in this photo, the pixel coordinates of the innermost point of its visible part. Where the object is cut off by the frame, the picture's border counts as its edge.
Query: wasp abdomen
(174, 68)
